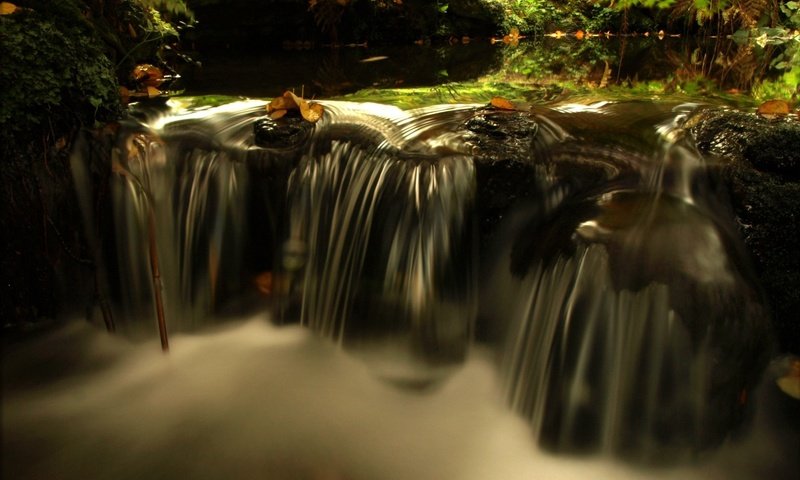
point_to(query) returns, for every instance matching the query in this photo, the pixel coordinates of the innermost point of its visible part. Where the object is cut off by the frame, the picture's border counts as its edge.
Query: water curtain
(380, 244)
(636, 329)
(624, 312)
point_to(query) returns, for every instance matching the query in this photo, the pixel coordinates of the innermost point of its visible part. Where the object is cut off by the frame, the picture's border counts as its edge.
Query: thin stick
(156, 271)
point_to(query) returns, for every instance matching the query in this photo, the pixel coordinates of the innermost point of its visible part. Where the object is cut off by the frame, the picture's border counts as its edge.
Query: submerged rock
(761, 169)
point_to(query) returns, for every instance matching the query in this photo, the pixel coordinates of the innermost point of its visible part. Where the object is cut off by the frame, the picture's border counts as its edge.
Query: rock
(760, 169)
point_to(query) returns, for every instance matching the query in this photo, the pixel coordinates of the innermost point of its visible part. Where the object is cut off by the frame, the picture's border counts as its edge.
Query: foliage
(63, 60)
(172, 7)
(55, 70)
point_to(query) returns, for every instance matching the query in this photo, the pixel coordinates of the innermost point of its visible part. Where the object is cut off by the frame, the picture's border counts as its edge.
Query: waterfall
(633, 328)
(625, 319)
(380, 244)
(175, 196)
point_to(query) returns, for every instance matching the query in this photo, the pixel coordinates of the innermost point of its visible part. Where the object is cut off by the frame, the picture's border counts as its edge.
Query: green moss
(54, 72)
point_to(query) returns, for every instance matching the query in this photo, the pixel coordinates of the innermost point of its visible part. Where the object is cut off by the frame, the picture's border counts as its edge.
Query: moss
(55, 73)
(62, 63)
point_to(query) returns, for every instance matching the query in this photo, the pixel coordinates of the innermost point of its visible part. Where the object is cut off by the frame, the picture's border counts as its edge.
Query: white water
(257, 401)
(260, 402)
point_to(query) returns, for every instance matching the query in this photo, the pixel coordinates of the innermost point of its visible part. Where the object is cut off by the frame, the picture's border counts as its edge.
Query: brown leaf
(284, 102)
(773, 108)
(7, 8)
(61, 143)
(276, 114)
(280, 106)
(153, 92)
(311, 114)
(311, 111)
(502, 103)
(149, 75)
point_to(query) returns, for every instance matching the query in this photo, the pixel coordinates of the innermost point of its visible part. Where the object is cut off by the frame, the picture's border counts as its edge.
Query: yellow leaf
(284, 102)
(153, 92)
(276, 114)
(773, 108)
(310, 114)
(502, 103)
(7, 8)
(280, 106)
(312, 111)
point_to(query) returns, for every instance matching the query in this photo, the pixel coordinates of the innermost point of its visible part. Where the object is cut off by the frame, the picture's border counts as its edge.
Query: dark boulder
(760, 159)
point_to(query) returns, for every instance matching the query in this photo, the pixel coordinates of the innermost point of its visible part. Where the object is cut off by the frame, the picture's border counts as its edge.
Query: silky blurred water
(252, 400)
(627, 339)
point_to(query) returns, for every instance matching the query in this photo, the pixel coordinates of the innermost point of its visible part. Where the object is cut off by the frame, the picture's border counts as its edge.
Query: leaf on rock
(284, 102)
(772, 108)
(502, 104)
(312, 112)
(276, 114)
(280, 106)
(149, 75)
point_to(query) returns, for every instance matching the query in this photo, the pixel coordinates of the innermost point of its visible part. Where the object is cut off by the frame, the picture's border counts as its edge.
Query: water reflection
(690, 65)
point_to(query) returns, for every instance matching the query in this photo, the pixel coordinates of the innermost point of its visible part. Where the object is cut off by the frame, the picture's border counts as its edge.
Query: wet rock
(760, 168)
(505, 170)
(285, 133)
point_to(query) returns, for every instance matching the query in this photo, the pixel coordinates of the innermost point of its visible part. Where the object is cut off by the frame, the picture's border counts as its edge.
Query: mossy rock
(760, 158)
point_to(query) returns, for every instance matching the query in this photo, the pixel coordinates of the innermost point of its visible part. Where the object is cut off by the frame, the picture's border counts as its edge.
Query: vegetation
(63, 65)
(66, 62)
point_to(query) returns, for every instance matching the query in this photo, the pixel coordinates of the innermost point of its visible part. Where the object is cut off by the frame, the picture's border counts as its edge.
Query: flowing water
(607, 325)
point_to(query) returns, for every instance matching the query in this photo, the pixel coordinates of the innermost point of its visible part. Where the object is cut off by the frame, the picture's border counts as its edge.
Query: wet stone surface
(761, 168)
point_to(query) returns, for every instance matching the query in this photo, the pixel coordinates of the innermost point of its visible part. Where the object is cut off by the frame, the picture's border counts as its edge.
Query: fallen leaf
(276, 114)
(268, 283)
(502, 103)
(310, 111)
(7, 8)
(149, 75)
(789, 383)
(284, 102)
(773, 108)
(153, 92)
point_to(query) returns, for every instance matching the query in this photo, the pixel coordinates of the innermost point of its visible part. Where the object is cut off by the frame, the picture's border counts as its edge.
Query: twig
(156, 272)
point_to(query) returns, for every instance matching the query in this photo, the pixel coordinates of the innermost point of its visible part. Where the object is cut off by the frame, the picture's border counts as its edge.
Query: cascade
(614, 289)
